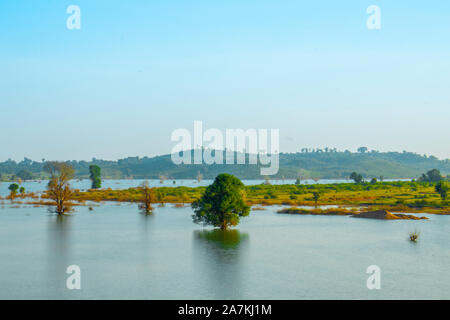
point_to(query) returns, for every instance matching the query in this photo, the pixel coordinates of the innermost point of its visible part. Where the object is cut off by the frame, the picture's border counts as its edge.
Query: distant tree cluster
(318, 150)
(442, 184)
(362, 149)
(13, 188)
(358, 178)
(333, 150)
(24, 175)
(433, 175)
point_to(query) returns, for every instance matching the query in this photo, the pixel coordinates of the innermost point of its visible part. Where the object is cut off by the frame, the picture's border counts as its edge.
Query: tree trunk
(224, 225)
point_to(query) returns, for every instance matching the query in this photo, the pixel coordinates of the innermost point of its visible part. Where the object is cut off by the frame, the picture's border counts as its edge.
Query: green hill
(320, 165)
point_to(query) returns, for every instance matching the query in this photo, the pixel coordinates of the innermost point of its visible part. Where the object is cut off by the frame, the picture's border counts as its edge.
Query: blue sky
(137, 70)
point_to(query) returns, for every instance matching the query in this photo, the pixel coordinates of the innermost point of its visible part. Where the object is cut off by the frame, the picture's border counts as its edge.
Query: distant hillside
(323, 165)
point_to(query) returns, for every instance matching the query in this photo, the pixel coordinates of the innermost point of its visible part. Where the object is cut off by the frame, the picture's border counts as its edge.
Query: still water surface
(126, 255)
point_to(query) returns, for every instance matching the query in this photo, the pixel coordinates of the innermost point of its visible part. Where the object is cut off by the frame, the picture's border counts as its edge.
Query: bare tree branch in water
(58, 188)
(148, 197)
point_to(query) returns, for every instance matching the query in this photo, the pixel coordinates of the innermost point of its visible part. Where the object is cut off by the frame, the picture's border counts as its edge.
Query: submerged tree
(222, 204)
(13, 187)
(148, 197)
(95, 176)
(58, 188)
(413, 236)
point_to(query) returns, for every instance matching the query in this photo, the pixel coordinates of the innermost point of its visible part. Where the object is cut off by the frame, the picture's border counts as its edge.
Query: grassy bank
(395, 196)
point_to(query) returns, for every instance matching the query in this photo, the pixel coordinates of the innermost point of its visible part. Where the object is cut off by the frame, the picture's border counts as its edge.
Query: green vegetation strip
(394, 196)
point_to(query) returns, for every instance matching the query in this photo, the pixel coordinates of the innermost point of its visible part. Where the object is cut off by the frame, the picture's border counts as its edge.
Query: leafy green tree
(95, 176)
(362, 149)
(443, 187)
(433, 175)
(22, 190)
(373, 181)
(356, 177)
(222, 204)
(13, 187)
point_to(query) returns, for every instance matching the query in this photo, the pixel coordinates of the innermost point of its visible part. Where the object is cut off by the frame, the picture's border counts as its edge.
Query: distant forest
(307, 164)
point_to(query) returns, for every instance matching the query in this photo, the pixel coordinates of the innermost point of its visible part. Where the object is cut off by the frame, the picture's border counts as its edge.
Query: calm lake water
(126, 255)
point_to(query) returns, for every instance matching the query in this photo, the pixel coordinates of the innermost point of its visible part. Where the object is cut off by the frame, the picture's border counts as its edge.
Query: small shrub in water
(413, 236)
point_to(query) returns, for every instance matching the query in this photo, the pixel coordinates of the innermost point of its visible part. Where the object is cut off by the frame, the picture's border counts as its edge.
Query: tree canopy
(222, 204)
(13, 187)
(362, 149)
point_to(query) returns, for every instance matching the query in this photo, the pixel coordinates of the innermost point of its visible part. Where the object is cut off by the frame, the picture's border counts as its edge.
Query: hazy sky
(137, 70)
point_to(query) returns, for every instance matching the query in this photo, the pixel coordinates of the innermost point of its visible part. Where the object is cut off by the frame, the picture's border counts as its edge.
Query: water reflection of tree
(146, 225)
(59, 248)
(220, 257)
(145, 244)
(225, 239)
